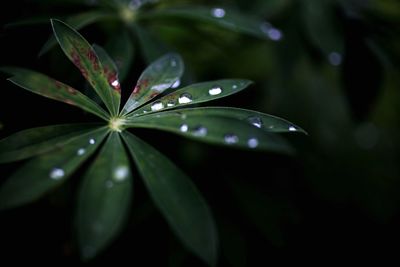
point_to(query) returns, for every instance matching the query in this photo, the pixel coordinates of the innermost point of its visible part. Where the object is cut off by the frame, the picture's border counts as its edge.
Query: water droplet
(256, 121)
(215, 91)
(157, 106)
(231, 139)
(200, 131)
(218, 12)
(185, 98)
(121, 173)
(109, 184)
(234, 86)
(292, 128)
(335, 58)
(176, 84)
(272, 33)
(115, 83)
(184, 128)
(171, 103)
(252, 142)
(80, 151)
(57, 173)
(92, 141)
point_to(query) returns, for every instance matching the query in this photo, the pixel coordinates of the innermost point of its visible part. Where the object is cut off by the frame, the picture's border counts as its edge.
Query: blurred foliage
(334, 72)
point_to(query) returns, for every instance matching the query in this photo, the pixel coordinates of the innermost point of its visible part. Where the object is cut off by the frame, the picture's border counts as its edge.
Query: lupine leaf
(155, 79)
(78, 22)
(43, 85)
(46, 172)
(225, 18)
(36, 141)
(78, 50)
(194, 124)
(194, 94)
(104, 198)
(177, 198)
(109, 67)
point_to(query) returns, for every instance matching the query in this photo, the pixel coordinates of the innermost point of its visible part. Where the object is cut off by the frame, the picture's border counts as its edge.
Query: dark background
(337, 198)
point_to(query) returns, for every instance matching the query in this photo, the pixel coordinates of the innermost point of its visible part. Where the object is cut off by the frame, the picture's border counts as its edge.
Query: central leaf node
(116, 124)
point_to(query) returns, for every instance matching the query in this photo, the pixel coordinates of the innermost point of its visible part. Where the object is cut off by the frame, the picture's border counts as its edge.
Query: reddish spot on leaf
(77, 61)
(68, 101)
(93, 59)
(71, 90)
(58, 84)
(140, 85)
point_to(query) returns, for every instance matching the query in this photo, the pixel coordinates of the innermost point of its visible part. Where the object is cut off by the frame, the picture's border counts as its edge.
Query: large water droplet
(184, 128)
(185, 98)
(292, 128)
(176, 84)
(57, 173)
(335, 58)
(200, 131)
(81, 151)
(215, 90)
(256, 121)
(231, 139)
(121, 173)
(92, 141)
(252, 142)
(218, 12)
(157, 106)
(171, 103)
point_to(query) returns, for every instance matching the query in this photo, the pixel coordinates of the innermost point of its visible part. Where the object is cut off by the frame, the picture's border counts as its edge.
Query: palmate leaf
(104, 198)
(200, 125)
(194, 94)
(155, 79)
(36, 141)
(43, 85)
(44, 173)
(177, 198)
(78, 50)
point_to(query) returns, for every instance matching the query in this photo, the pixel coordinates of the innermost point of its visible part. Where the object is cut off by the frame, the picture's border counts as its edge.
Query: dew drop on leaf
(157, 106)
(271, 32)
(57, 173)
(81, 151)
(200, 131)
(92, 141)
(176, 84)
(115, 83)
(255, 121)
(292, 129)
(120, 173)
(184, 128)
(231, 139)
(171, 103)
(215, 90)
(234, 86)
(185, 98)
(252, 142)
(218, 12)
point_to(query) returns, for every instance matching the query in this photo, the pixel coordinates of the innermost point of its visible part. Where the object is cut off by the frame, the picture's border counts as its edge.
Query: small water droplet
(256, 121)
(218, 12)
(109, 184)
(185, 98)
(184, 128)
(252, 142)
(120, 173)
(335, 58)
(176, 84)
(234, 86)
(272, 33)
(157, 106)
(200, 131)
(231, 139)
(80, 151)
(215, 90)
(57, 173)
(292, 128)
(115, 83)
(171, 103)
(92, 141)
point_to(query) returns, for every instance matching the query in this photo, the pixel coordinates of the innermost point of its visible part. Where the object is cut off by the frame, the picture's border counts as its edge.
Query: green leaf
(78, 50)
(155, 79)
(43, 85)
(104, 198)
(194, 94)
(46, 172)
(177, 198)
(121, 50)
(109, 67)
(199, 125)
(225, 18)
(36, 141)
(77, 22)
